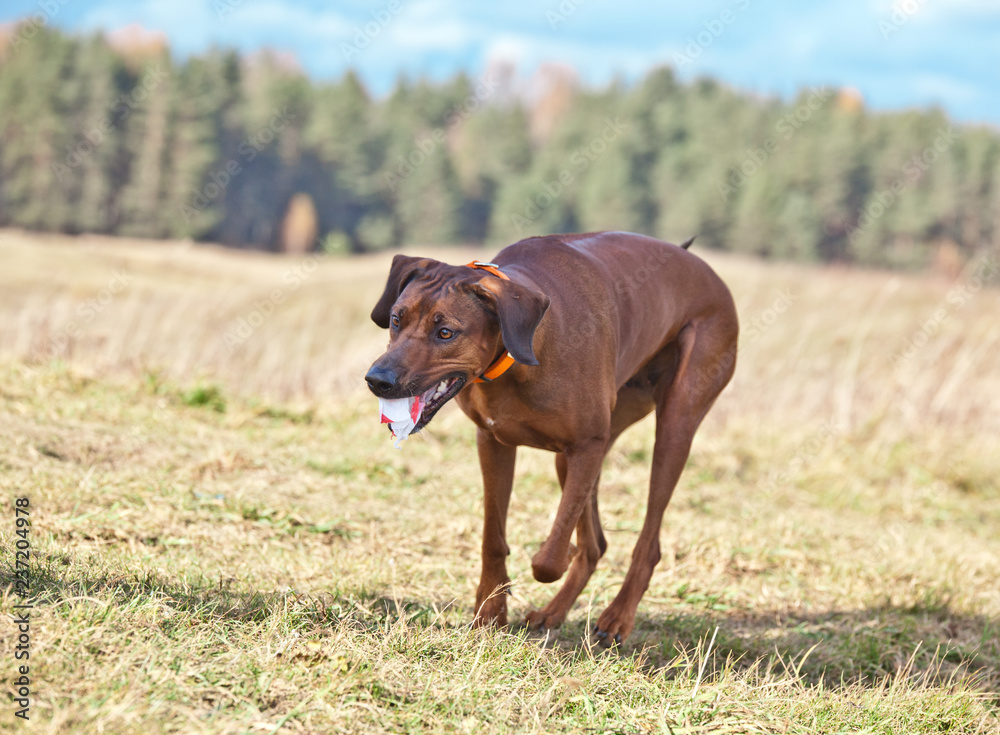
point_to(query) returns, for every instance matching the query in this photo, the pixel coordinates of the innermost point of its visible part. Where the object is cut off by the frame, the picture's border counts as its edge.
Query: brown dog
(603, 328)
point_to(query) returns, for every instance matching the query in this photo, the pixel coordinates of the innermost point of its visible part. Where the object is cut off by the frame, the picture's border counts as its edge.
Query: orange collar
(504, 363)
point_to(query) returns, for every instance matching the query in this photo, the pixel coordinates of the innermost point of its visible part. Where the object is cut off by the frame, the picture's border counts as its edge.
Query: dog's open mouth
(436, 396)
(407, 416)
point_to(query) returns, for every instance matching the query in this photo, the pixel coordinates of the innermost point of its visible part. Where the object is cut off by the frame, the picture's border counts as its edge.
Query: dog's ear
(519, 310)
(404, 269)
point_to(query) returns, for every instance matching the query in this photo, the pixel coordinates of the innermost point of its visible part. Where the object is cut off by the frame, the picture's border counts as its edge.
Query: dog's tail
(687, 243)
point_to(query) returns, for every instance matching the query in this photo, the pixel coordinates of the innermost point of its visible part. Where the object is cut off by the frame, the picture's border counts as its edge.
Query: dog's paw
(491, 610)
(490, 618)
(542, 620)
(613, 626)
(548, 566)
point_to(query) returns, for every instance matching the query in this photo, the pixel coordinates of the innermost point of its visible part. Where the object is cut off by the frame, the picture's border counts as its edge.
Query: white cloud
(187, 23)
(279, 17)
(194, 25)
(430, 35)
(944, 87)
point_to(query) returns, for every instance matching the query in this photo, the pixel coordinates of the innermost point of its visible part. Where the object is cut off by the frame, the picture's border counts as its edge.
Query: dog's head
(446, 325)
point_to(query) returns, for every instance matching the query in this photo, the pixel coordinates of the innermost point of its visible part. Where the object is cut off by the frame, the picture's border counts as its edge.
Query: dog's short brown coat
(605, 327)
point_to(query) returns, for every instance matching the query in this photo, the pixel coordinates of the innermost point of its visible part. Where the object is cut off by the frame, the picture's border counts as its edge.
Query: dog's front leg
(497, 463)
(583, 466)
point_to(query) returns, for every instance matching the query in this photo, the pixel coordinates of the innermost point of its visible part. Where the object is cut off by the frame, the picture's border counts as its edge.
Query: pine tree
(193, 199)
(145, 127)
(429, 202)
(39, 151)
(350, 144)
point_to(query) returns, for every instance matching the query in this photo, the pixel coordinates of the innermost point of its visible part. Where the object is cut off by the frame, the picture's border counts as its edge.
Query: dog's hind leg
(706, 362)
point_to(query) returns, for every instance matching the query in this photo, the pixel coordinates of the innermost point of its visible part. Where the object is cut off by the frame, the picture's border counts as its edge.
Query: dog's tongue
(402, 414)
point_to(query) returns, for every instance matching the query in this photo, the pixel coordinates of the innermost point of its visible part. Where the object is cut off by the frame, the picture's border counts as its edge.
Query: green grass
(207, 396)
(242, 571)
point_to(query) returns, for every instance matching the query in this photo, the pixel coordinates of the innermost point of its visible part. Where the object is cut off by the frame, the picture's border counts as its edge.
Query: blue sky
(897, 53)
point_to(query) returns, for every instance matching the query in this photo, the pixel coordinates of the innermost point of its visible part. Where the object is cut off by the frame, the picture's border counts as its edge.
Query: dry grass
(227, 541)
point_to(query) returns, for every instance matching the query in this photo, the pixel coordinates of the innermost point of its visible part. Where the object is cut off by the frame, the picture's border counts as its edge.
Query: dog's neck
(503, 363)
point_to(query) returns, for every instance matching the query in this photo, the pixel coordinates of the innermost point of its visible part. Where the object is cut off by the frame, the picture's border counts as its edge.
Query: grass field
(225, 540)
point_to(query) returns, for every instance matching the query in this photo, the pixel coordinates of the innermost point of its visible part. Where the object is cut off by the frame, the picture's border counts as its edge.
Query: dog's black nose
(381, 380)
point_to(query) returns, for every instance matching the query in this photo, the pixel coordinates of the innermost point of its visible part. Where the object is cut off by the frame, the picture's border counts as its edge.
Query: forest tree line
(249, 152)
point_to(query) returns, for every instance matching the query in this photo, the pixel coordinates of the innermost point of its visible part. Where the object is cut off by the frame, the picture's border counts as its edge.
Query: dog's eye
(395, 321)
(445, 333)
